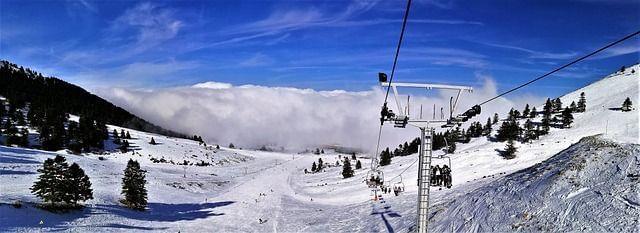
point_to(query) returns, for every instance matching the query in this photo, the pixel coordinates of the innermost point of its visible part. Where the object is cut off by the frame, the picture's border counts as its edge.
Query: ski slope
(227, 196)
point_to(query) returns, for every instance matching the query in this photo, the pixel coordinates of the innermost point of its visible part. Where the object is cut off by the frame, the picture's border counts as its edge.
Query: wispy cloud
(152, 23)
(620, 50)
(258, 59)
(534, 53)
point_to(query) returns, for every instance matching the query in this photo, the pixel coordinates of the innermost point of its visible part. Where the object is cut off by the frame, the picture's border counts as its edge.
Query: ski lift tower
(401, 119)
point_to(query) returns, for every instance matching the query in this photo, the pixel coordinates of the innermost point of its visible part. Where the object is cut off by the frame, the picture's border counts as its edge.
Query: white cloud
(154, 25)
(251, 116)
(212, 85)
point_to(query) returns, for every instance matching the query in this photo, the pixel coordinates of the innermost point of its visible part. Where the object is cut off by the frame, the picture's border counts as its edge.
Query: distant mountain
(23, 86)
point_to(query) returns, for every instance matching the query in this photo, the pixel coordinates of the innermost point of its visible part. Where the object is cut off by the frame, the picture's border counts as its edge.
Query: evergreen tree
(51, 185)
(353, 156)
(573, 106)
(582, 103)
(358, 164)
(133, 186)
(123, 135)
(78, 184)
(128, 135)
(557, 105)
(567, 118)
(52, 129)
(627, 105)
(114, 134)
(385, 157)
(232, 146)
(495, 118)
(548, 107)
(533, 112)
(347, 171)
(510, 150)
(152, 142)
(530, 133)
(526, 111)
(320, 164)
(314, 167)
(509, 130)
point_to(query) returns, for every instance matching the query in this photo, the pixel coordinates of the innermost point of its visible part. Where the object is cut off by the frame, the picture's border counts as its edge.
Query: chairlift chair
(399, 185)
(374, 178)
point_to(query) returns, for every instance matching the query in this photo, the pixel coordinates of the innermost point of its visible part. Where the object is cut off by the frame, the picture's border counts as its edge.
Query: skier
(438, 175)
(446, 175)
(433, 175)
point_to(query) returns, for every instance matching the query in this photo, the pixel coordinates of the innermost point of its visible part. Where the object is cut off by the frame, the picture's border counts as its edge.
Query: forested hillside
(23, 86)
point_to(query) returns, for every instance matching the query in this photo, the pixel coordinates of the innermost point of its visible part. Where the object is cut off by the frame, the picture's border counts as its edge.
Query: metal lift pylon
(426, 128)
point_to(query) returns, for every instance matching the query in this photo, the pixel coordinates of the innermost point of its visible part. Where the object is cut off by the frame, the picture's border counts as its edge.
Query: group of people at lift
(396, 190)
(441, 176)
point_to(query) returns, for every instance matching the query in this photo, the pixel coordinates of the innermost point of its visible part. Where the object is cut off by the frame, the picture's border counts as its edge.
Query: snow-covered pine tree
(347, 171)
(627, 105)
(573, 106)
(548, 107)
(358, 164)
(128, 135)
(114, 134)
(78, 184)
(133, 186)
(510, 150)
(314, 167)
(567, 117)
(353, 156)
(582, 103)
(123, 135)
(153, 141)
(495, 118)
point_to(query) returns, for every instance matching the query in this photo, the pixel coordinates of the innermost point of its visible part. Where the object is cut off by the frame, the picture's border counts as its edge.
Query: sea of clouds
(252, 116)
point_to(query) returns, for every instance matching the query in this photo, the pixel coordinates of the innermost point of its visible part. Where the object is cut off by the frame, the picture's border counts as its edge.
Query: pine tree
(133, 186)
(495, 118)
(573, 106)
(627, 105)
(582, 103)
(114, 134)
(385, 157)
(526, 111)
(567, 117)
(347, 171)
(530, 133)
(358, 164)
(152, 142)
(320, 164)
(353, 156)
(128, 135)
(123, 135)
(78, 184)
(510, 150)
(548, 107)
(314, 168)
(51, 185)
(533, 113)
(557, 105)
(509, 130)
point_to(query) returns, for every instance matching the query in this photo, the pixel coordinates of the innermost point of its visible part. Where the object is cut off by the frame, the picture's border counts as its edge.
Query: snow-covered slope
(226, 197)
(590, 186)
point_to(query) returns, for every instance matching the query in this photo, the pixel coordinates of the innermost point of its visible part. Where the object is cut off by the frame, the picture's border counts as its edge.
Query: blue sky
(323, 45)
